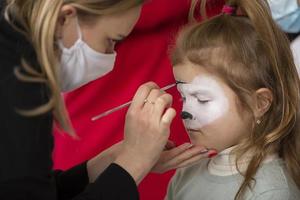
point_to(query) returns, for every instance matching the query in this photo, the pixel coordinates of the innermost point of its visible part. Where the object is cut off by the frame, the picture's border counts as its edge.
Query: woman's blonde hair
(249, 52)
(37, 20)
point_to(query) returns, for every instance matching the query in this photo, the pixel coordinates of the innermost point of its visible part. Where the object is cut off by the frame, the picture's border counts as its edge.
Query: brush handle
(108, 112)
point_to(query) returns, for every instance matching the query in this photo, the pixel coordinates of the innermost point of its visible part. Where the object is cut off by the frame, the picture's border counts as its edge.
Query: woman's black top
(26, 143)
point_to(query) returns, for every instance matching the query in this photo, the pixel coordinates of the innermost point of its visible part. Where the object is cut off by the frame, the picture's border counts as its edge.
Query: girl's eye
(203, 101)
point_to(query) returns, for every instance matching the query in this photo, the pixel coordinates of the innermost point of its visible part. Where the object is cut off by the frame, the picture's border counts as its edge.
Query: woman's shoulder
(273, 179)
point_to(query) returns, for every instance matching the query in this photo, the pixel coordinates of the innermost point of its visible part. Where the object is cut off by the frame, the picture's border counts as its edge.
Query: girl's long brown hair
(38, 20)
(250, 52)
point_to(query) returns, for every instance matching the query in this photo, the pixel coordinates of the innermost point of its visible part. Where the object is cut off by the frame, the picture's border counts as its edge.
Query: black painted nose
(186, 115)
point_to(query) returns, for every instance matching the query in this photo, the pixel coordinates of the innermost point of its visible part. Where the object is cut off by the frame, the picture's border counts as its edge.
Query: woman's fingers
(170, 145)
(172, 153)
(195, 159)
(179, 157)
(150, 98)
(142, 93)
(161, 105)
(186, 155)
(153, 96)
(167, 119)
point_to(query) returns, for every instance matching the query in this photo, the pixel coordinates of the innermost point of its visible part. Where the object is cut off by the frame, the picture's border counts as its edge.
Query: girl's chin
(201, 142)
(198, 142)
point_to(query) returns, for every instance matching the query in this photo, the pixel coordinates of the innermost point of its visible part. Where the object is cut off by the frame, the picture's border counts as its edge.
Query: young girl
(240, 92)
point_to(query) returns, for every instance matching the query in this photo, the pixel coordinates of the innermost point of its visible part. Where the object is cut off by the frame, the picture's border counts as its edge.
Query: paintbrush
(108, 112)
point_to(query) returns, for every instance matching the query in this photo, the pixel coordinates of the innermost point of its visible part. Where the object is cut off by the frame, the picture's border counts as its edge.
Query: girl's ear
(263, 99)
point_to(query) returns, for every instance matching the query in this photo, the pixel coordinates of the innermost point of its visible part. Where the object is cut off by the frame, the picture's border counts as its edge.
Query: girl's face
(210, 112)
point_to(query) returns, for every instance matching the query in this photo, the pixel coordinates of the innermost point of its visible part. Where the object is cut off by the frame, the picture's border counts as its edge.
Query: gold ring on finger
(147, 101)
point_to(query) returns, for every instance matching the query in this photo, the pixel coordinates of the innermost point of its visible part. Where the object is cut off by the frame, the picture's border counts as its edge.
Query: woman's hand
(182, 156)
(147, 130)
(171, 158)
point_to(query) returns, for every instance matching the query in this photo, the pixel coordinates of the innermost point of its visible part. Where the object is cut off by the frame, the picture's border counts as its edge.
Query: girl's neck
(224, 164)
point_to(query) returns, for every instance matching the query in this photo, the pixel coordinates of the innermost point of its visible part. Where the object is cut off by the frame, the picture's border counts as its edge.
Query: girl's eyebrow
(180, 82)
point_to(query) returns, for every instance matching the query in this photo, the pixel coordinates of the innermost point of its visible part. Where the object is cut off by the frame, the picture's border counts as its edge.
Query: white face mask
(204, 101)
(80, 64)
(287, 14)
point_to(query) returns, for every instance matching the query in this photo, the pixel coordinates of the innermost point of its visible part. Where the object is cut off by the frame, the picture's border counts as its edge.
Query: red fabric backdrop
(142, 57)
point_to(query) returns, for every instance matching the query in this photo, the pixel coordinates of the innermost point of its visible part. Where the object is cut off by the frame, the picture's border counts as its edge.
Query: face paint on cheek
(204, 102)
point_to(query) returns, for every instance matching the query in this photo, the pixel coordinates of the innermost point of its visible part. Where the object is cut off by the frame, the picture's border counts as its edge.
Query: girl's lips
(192, 130)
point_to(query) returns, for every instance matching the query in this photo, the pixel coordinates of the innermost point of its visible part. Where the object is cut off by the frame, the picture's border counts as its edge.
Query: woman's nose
(186, 115)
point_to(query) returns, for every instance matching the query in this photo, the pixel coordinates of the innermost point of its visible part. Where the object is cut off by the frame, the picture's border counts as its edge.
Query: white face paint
(205, 99)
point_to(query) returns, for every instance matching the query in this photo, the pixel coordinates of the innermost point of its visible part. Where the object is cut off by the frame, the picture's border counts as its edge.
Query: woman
(51, 46)
(30, 92)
